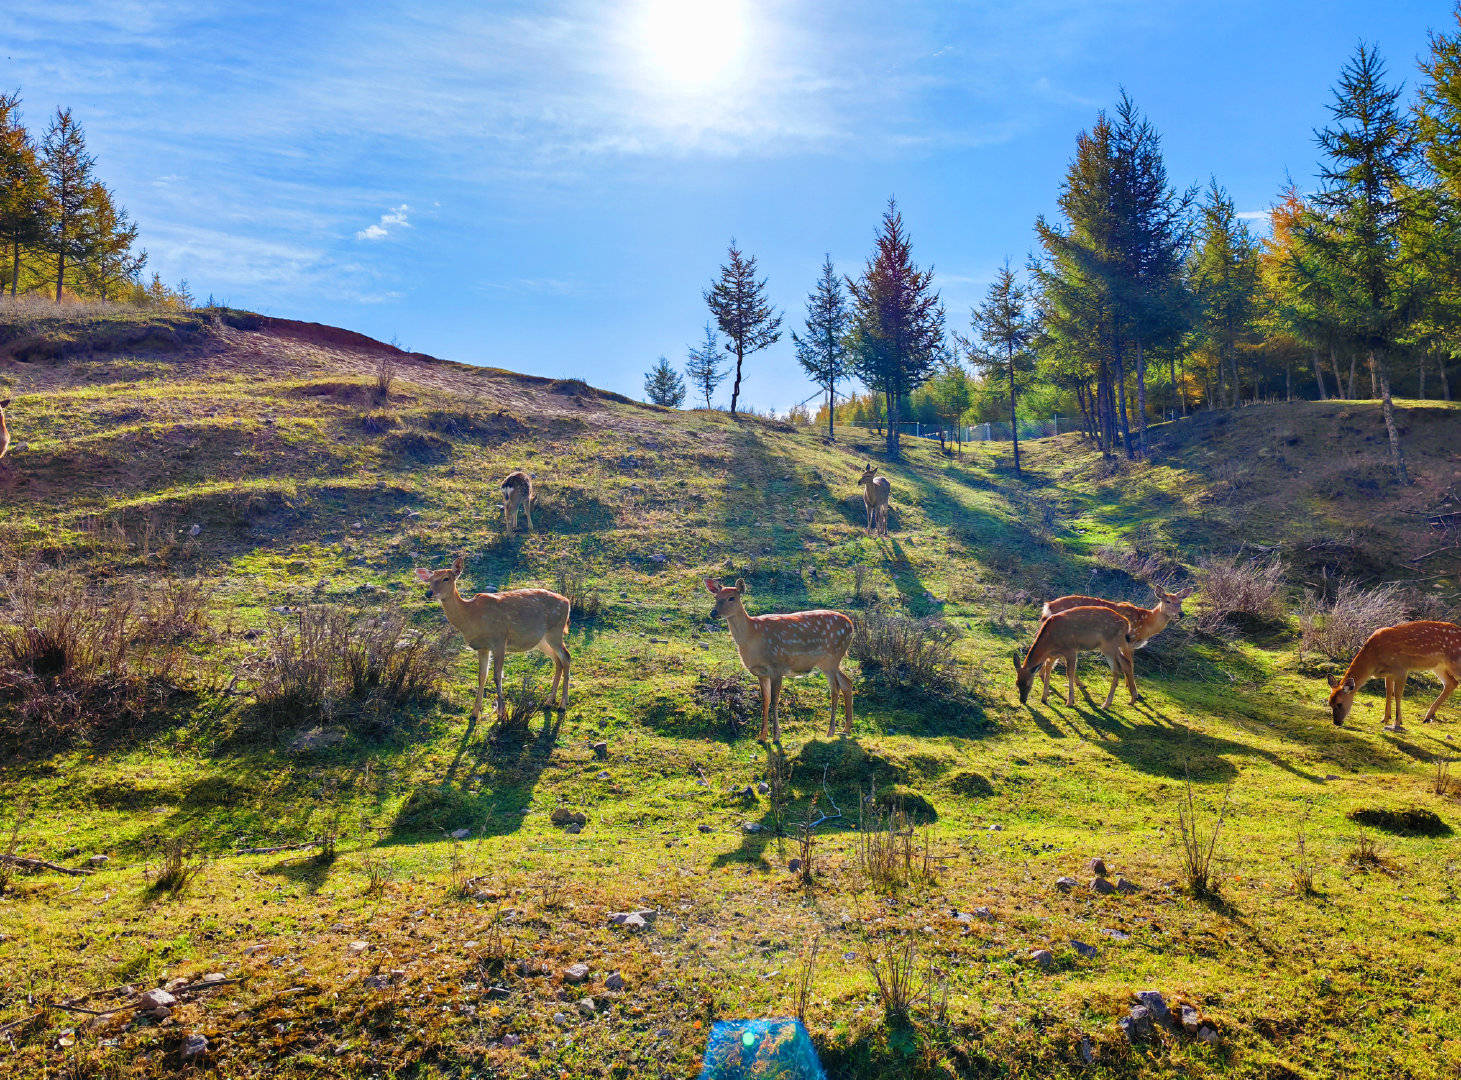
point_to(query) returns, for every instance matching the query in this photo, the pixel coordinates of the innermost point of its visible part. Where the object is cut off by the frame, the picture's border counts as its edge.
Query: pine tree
(106, 264)
(1223, 275)
(67, 166)
(1004, 326)
(703, 365)
(22, 187)
(738, 302)
(1435, 238)
(823, 352)
(663, 385)
(1366, 203)
(897, 321)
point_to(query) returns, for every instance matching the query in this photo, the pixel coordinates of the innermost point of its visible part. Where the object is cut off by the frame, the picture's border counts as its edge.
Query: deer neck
(1362, 666)
(739, 623)
(456, 609)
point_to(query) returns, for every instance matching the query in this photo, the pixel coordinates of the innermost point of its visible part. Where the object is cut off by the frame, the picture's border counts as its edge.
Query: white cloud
(391, 219)
(1252, 215)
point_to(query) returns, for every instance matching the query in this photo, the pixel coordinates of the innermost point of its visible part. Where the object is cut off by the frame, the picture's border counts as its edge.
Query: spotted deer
(4, 431)
(516, 621)
(1146, 623)
(517, 494)
(1393, 653)
(1066, 635)
(774, 646)
(876, 491)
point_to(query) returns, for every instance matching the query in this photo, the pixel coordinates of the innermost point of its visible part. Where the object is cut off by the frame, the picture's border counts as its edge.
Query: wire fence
(994, 431)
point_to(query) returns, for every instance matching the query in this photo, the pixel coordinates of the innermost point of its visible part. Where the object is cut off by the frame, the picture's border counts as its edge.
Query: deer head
(726, 596)
(1341, 698)
(869, 474)
(1171, 603)
(440, 583)
(1024, 677)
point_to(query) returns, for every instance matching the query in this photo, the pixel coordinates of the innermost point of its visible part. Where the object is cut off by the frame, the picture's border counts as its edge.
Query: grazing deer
(500, 623)
(4, 431)
(774, 646)
(876, 491)
(1394, 652)
(1067, 634)
(517, 494)
(1146, 623)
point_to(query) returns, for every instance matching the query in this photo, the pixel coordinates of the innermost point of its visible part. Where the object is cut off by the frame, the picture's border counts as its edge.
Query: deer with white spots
(515, 621)
(1067, 634)
(876, 493)
(1393, 653)
(517, 495)
(1146, 623)
(775, 646)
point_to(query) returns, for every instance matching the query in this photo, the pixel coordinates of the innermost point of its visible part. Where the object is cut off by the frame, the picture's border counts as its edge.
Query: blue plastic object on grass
(761, 1050)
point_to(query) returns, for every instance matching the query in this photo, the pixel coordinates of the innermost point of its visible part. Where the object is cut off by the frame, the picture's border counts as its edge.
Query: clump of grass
(1366, 855)
(377, 872)
(805, 973)
(326, 664)
(904, 653)
(521, 702)
(889, 853)
(585, 603)
(1235, 590)
(893, 964)
(727, 695)
(176, 870)
(385, 377)
(1442, 784)
(1303, 864)
(1200, 867)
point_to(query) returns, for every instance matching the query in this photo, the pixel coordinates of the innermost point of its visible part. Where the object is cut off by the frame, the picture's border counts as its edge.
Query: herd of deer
(774, 646)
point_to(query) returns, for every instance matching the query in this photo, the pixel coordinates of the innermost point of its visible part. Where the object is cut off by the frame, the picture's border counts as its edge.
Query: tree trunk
(1445, 384)
(1125, 421)
(60, 272)
(1422, 376)
(1319, 378)
(736, 389)
(1141, 398)
(1288, 380)
(1353, 371)
(15, 277)
(831, 410)
(1338, 378)
(892, 441)
(1014, 429)
(1374, 378)
(1397, 456)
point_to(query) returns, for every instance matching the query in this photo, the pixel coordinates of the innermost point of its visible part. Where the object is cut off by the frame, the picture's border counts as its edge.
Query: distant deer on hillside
(774, 646)
(517, 494)
(1394, 652)
(1069, 633)
(876, 491)
(1146, 623)
(516, 621)
(4, 431)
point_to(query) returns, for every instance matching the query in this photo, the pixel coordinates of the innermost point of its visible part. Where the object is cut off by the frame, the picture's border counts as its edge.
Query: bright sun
(693, 43)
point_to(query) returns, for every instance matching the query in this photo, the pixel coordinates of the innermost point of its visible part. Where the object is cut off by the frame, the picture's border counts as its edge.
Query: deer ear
(459, 565)
(712, 585)
(1185, 593)
(1349, 685)
(1015, 656)
(5, 404)
(424, 575)
(1333, 682)
(741, 585)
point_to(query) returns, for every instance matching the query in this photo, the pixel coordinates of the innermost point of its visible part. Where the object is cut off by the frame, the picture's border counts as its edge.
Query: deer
(774, 646)
(1393, 652)
(1066, 634)
(1146, 623)
(515, 621)
(4, 431)
(876, 491)
(517, 494)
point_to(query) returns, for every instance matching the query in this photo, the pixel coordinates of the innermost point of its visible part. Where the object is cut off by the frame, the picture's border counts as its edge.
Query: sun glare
(693, 43)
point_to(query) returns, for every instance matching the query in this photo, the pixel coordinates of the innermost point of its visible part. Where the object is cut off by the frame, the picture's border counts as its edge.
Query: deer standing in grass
(876, 491)
(517, 494)
(1393, 653)
(1146, 623)
(775, 646)
(1067, 634)
(515, 621)
(4, 431)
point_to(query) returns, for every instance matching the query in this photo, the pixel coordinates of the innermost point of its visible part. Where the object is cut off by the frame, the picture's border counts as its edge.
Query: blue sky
(548, 186)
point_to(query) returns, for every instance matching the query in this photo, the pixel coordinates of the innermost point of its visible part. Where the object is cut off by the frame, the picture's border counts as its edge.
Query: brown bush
(1338, 625)
(905, 653)
(1234, 590)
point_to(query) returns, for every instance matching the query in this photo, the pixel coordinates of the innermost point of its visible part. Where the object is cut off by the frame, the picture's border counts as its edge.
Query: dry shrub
(1237, 590)
(728, 696)
(585, 604)
(76, 662)
(1336, 626)
(889, 852)
(328, 665)
(904, 653)
(1200, 865)
(175, 869)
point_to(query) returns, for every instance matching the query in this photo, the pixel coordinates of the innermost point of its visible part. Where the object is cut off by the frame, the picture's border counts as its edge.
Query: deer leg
(1116, 666)
(1045, 670)
(481, 682)
(765, 707)
(546, 648)
(1448, 683)
(497, 680)
(1389, 697)
(1128, 662)
(846, 702)
(834, 687)
(1399, 693)
(1069, 681)
(528, 510)
(776, 709)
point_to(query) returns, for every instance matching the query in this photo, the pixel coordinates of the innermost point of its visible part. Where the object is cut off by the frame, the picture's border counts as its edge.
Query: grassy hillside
(266, 466)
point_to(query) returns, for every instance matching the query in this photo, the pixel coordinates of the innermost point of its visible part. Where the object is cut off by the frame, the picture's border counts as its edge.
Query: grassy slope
(267, 439)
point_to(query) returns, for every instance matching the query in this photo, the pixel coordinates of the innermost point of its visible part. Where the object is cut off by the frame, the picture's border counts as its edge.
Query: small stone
(1191, 1020)
(615, 981)
(1097, 866)
(1116, 935)
(98, 860)
(156, 999)
(634, 922)
(376, 982)
(1209, 1034)
(194, 1045)
(461, 834)
(602, 774)
(1065, 884)
(1043, 957)
(1126, 885)
(794, 866)
(213, 977)
(586, 1006)
(1155, 1004)
(575, 973)
(194, 529)
(704, 828)
(565, 818)
(358, 946)
(1082, 949)
(254, 950)
(498, 993)
(763, 788)
(996, 828)
(560, 1018)
(751, 826)
(663, 1033)
(1136, 1026)
(511, 1040)
(1102, 885)
(1088, 1050)
(574, 829)
(173, 985)
(983, 913)
(601, 751)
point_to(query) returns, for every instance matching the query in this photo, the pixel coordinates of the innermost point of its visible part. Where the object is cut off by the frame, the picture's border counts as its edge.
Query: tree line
(62, 231)
(1143, 301)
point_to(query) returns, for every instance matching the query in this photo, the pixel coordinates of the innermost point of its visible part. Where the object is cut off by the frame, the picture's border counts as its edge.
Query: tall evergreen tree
(663, 385)
(703, 365)
(1005, 328)
(67, 166)
(1436, 236)
(1366, 203)
(22, 188)
(823, 352)
(738, 302)
(897, 321)
(106, 264)
(1223, 274)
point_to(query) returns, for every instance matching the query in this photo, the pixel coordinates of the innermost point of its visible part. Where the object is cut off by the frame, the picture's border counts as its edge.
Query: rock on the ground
(194, 1045)
(1102, 885)
(317, 738)
(704, 828)
(615, 981)
(376, 982)
(1126, 885)
(1156, 1005)
(1088, 1050)
(575, 973)
(983, 913)
(1065, 884)
(560, 1018)
(511, 1040)
(586, 1006)
(1043, 957)
(564, 817)
(358, 946)
(1082, 949)
(794, 865)
(98, 860)
(601, 750)
(460, 834)
(1209, 1034)
(1191, 1019)
(763, 788)
(751, 826)
(1137, 1025)
(1097, 866)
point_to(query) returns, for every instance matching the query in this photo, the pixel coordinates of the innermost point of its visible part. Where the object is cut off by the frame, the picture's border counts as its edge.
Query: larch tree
(1005, 328)
(1223, 276)
(822, 351)
(738, 302)
(106, 265)
(67, 166)
(22, 188)
(897, 321)
(663, 385)
(703, 367)
(1436, 235)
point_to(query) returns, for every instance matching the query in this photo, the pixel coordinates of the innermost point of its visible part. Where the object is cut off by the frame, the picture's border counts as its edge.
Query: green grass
(270, 446)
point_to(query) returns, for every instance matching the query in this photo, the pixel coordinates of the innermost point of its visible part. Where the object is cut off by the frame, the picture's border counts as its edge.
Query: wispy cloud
(394, 218)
